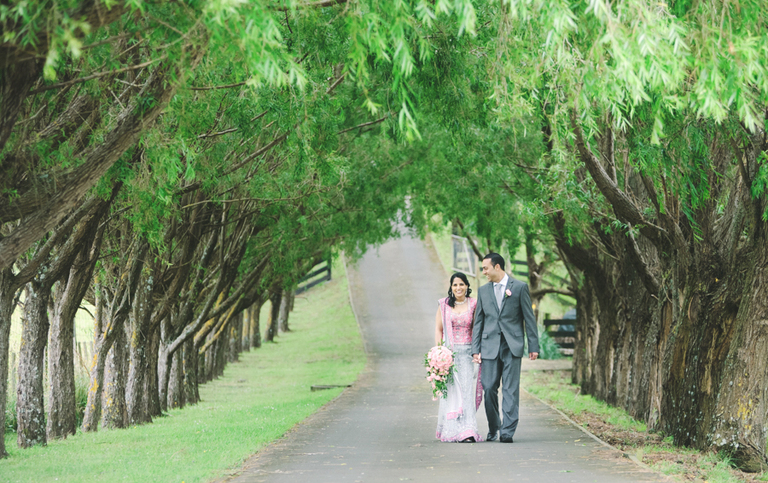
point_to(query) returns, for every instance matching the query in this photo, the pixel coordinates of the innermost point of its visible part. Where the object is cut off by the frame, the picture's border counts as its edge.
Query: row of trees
(626, 140)
(176, 162)
(176, 165)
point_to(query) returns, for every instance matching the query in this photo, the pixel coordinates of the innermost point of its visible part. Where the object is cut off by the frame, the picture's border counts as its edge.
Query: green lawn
(257, 401)
(557, 390)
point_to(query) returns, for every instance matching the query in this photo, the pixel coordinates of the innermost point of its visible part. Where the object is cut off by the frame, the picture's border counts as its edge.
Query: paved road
(382, 429)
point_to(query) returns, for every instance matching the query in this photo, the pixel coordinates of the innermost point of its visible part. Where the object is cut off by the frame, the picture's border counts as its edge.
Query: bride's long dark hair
(451, 297)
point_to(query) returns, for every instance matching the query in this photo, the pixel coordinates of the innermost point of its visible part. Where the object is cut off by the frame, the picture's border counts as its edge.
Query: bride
(456, 419)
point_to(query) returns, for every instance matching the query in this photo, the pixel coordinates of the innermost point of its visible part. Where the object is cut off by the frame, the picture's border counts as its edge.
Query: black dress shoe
(492, 436)
(505, 439)
(471, 439)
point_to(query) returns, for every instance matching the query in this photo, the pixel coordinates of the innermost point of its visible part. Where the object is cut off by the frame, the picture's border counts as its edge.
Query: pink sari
(456, 417)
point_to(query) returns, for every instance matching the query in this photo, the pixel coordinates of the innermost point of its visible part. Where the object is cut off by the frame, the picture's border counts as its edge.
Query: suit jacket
(512, 322)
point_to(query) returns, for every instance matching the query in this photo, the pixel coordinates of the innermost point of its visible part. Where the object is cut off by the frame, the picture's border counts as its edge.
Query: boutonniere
(508, 293)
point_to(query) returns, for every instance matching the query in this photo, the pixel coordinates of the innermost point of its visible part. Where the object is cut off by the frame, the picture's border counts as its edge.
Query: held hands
(533, 356)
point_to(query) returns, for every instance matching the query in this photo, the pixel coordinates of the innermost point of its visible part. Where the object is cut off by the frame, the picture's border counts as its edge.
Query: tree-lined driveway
(383, 429)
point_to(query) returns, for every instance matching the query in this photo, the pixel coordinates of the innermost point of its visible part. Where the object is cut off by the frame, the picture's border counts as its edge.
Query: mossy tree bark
(139, 347)
(62, 419)
(672, 314)
(30, 411)
(114, 413)
(7, 304)
(109, 323)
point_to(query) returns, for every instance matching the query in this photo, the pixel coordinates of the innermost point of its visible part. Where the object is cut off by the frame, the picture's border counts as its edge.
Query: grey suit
(498, 336)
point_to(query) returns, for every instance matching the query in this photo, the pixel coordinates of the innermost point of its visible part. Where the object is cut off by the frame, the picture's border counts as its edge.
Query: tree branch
(624, 208)
(363, 125)
(211, 88)
(635, 256)
(336, 83)
(96, 75)
(130, 124)
(320, 4)
(544, 291)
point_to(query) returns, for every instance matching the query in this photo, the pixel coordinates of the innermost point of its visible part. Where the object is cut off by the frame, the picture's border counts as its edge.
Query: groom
(503, 311)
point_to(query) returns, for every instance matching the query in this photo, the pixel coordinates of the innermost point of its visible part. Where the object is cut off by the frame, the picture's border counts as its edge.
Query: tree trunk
(7, 299)
(275, 298)
(222, 350)
(137, 348)
(175, 382)
(239, 329)
(114, 413)
(62, 417)
(743, 394)
(210, 357)
(716, 392)
(199, 373)
(164, 363)
(191, 393)
(254, 326)
(680, 334)
(245, 342)
(92, 413)
(285, 309)
(101, 346)
(235, 337)
(30, 410)
(151, 384)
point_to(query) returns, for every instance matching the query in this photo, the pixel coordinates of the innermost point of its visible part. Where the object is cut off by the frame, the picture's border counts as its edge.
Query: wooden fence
(309, 281)
(564, 335)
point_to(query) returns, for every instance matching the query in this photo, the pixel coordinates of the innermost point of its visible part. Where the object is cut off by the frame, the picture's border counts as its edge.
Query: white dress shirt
(504, 281)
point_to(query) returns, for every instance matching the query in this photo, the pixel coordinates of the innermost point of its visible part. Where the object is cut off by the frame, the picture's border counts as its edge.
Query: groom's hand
(533, 355)
(476, 358)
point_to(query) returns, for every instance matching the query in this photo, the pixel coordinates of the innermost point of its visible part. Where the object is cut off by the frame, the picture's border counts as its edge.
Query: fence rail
(307, 281)
(565, 338)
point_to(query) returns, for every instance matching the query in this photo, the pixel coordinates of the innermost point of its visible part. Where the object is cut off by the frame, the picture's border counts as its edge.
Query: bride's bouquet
(439, 364)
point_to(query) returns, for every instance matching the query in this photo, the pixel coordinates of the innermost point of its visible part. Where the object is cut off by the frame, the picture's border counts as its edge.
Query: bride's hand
(476, 358)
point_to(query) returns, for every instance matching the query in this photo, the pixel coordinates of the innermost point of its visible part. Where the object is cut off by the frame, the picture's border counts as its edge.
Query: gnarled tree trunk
(62, 419)
(7, 303)
(114, 413)
(191, 394)
(151, 385)
(30, 410)
(175, 382)
(138, 348)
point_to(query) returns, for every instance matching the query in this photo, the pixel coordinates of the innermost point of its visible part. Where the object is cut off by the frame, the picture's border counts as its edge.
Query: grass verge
(619, 429)
(257, 400)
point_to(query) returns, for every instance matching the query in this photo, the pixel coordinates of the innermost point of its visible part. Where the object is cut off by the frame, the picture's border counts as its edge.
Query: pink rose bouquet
(439, 364)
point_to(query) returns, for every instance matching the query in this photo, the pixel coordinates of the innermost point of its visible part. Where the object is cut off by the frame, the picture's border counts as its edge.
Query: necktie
(499, 294)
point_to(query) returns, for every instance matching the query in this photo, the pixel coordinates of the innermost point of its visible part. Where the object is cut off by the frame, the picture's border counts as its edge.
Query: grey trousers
(505, 368)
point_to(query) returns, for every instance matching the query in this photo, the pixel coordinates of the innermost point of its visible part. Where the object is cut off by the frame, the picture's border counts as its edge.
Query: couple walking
(487, 332)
